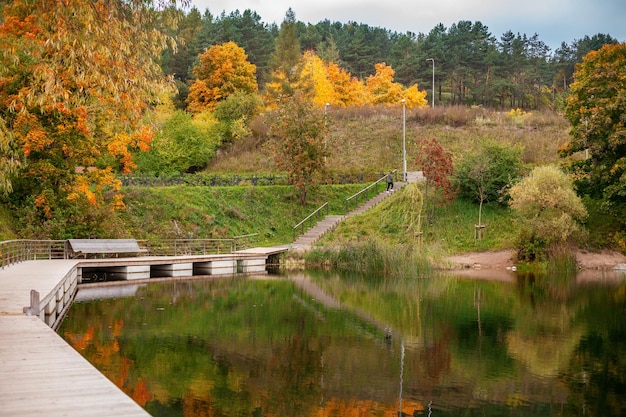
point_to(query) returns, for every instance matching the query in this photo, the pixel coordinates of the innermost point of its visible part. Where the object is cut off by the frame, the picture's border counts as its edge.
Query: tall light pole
(433, 98)
(404, 139)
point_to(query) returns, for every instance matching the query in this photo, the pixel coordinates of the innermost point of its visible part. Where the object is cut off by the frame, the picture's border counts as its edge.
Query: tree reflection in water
(317, 344)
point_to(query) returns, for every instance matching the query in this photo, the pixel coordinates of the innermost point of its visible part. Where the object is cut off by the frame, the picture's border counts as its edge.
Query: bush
(485, 173)
(550, 211)
(182, 145)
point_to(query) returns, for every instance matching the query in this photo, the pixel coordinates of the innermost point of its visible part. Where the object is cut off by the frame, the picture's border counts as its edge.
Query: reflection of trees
(596, 376)
(264, 348)
(104, 354)
(545, 334)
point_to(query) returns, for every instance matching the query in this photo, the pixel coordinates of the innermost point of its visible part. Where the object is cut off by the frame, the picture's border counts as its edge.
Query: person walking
(390, 181)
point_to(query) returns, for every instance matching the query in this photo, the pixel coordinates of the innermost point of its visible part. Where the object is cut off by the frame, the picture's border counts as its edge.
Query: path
(312, 235)
(40, 374)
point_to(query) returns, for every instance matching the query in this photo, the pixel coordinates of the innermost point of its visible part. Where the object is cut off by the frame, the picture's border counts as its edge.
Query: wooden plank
(40, 374)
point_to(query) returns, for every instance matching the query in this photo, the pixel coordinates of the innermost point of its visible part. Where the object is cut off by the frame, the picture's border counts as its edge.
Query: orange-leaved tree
(222, 71)
(596, 109)
(76, 78)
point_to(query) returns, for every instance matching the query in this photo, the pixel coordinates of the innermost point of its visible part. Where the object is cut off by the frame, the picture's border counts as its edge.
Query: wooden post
(34, 308)
(479, 231)
(418, 235)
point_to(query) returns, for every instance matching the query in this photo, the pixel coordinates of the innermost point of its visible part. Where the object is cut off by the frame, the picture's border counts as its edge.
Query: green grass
(451, 231)
(221, 212)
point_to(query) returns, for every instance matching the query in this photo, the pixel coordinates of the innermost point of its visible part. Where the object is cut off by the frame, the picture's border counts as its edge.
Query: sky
(555, 21)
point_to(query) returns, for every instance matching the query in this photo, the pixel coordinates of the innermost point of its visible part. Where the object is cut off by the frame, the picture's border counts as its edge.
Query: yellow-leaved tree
(76, 78)
(222, 71)
(328, 83)
(313, 78)
(381, 89)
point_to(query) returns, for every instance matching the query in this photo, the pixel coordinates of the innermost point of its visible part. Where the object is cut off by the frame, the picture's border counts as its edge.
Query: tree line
(83, 98)
(471, 66)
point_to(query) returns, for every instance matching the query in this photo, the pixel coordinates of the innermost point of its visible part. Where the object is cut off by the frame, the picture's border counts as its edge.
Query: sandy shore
(504, 260)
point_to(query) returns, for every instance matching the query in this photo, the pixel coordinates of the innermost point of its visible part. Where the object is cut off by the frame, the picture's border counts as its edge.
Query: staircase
(312, 235)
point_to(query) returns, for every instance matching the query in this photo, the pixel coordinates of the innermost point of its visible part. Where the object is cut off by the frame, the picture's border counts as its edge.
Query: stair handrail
(309, 217)
(366, 190)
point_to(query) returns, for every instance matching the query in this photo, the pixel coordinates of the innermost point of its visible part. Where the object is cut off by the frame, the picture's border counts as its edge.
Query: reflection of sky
(106, 292)
(555, 21)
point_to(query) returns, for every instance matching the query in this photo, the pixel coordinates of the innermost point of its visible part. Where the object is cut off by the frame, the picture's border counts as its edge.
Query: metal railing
(179, 247)
(310, 219)
(14, 251)
(364, 193)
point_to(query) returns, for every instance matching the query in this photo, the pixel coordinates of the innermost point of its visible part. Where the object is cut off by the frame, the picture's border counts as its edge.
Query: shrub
(485, 174)
(182, 145)
(550, 211)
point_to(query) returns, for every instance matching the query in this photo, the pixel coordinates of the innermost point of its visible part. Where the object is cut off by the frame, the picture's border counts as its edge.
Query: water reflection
(317, 344)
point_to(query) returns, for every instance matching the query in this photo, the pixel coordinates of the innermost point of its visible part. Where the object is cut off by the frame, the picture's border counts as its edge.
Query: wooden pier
(40, 374)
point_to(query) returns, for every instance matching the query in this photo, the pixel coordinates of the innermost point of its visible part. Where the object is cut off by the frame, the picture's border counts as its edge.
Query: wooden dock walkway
(40, 374)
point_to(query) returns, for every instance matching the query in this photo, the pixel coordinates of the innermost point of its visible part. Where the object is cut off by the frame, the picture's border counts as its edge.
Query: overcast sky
(554, 21)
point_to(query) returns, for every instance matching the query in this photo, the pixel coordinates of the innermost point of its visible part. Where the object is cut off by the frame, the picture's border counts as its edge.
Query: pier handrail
(19, 250)
(309, 218)
(366, 190)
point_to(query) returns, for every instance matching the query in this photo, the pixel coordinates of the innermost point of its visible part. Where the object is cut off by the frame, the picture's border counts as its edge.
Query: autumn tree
(298, 142)
(549, 208)
(596, 108)
(76, 78)
(327, 83)
(222, 71)
(381, 89)
(438, 168)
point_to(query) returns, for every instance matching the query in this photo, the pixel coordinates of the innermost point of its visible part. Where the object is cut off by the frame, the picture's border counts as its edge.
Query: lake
(320, 344)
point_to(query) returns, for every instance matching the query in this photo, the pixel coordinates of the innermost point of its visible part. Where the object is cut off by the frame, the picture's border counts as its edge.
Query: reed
(561, 259)
(371, 258)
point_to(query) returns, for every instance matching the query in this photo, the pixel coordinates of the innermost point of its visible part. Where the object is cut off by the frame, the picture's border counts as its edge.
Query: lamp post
(433, 98)
(404, 139)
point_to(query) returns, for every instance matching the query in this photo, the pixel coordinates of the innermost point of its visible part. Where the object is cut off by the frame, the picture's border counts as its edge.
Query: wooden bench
(103, 247)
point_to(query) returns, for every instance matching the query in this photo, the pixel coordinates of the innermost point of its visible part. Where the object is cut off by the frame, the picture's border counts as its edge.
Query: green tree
(182, 145)
(596, 108)
(549, 208)
(484, 174)
(298, 142)
(234, 114)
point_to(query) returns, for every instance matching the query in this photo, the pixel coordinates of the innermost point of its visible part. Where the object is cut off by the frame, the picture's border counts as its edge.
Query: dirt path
(506, 260)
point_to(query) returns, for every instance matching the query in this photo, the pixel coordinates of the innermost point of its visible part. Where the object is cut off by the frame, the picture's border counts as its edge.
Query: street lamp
(404, 139)
(433, 98)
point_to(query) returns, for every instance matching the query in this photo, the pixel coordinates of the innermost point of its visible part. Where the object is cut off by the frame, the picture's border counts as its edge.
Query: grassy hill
(365, 142)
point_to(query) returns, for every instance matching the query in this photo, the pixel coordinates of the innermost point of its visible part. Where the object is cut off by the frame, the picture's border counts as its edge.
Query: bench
(103, 247)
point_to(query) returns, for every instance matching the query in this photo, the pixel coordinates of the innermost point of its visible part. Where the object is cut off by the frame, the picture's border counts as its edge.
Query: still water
(317, 344)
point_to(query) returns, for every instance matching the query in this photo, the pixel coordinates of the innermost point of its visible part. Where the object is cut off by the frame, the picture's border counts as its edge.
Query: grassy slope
(363, 141)
(218, 212)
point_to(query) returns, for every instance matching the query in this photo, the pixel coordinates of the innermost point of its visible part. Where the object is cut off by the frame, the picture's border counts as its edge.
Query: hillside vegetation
(365, 143)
